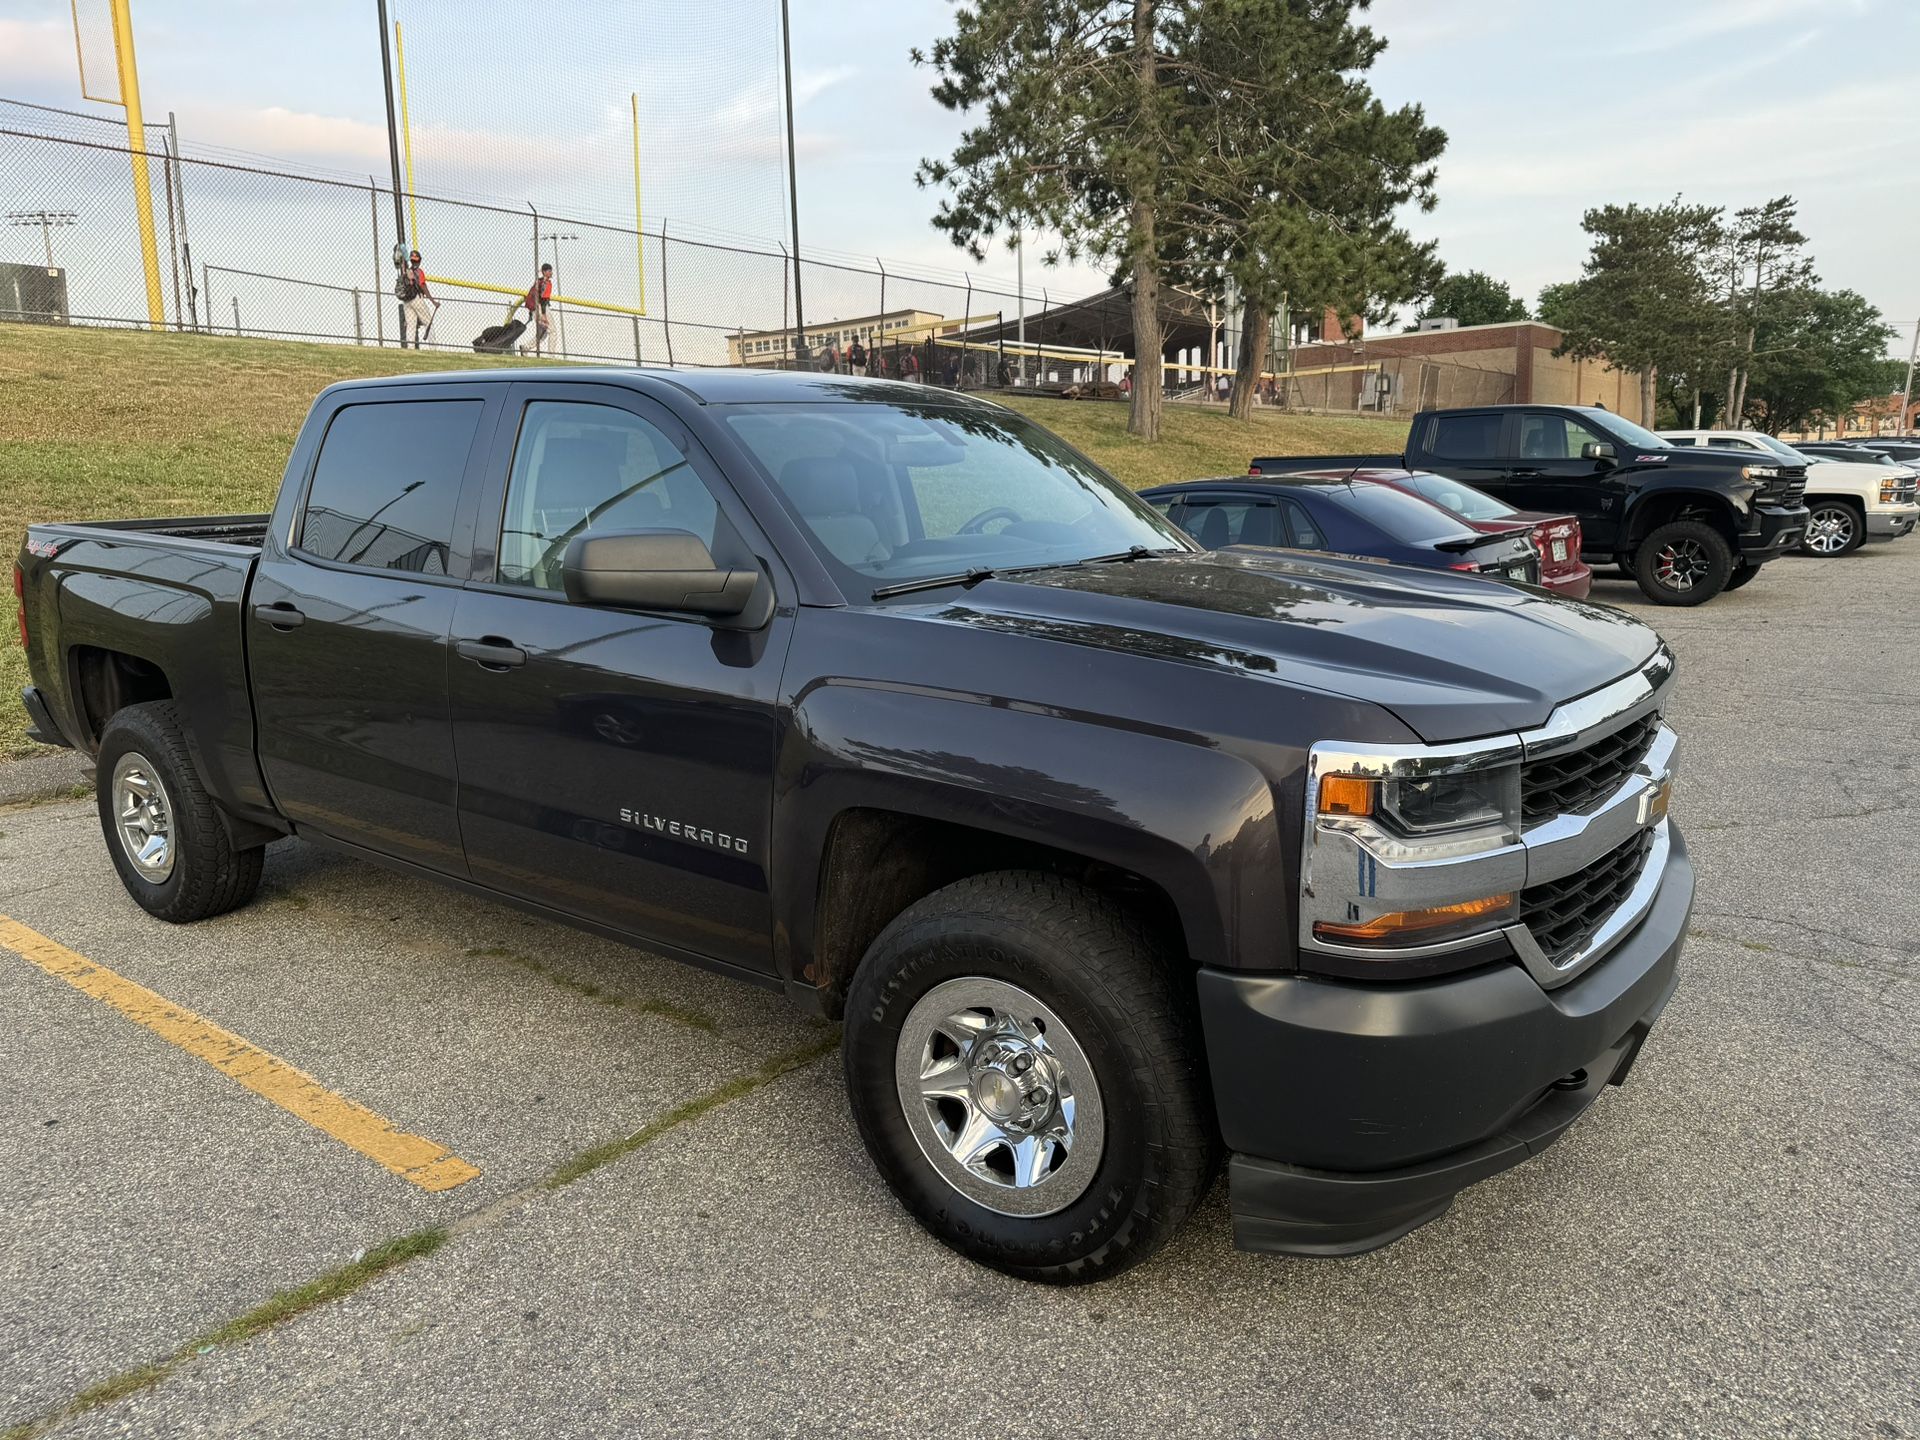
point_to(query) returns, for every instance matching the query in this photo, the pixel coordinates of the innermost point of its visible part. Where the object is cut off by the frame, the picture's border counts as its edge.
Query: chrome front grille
(1573, 783)
(1562, 915)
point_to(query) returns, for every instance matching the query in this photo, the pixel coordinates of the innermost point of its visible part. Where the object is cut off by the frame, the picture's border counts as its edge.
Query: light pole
(1906, 391)
(46, 220)
(560, 320)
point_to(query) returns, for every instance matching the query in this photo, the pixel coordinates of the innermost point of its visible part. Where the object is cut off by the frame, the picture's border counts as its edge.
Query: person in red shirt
(416, 300)
(539, 297)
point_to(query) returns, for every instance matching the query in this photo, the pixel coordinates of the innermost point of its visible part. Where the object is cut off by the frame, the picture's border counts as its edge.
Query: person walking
(416, 301)
(539, 296)
(856, 357)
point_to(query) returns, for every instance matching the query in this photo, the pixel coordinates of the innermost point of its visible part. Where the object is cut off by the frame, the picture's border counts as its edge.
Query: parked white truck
(1848, 502)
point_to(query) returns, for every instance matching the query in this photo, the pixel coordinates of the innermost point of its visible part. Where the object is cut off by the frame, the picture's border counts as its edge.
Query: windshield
(1635, 435)
(1780, 448)
(1404, 517)
(1460, 499)
(895, 490)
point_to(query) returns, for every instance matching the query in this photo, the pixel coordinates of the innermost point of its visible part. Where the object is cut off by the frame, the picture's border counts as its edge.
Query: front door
(615, 765)
(348, 622)
(1551, 475)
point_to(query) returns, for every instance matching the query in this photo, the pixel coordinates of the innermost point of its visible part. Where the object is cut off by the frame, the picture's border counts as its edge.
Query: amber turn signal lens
(1346, 795)
(1416, 924)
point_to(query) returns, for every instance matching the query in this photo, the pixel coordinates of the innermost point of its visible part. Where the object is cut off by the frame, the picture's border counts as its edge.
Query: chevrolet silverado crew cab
(1685, 523)
(1114, 854)
(1850, 499)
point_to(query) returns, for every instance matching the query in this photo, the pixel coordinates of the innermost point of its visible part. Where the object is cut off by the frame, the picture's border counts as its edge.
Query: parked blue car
(1327, 510)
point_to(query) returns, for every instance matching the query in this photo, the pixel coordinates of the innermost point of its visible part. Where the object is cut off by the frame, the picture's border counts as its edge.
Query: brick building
(1511, 362)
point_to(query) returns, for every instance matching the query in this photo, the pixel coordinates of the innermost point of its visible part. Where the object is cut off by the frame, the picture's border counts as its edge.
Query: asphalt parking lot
(647, 1212)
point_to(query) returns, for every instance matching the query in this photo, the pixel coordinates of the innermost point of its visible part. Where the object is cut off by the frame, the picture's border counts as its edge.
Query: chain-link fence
(248, 248)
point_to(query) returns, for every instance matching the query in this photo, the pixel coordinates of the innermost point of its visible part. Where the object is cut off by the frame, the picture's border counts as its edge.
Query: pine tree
(1207, 140)
(1644, 301)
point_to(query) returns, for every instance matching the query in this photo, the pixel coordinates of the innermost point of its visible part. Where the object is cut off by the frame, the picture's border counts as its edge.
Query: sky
(1550, 106)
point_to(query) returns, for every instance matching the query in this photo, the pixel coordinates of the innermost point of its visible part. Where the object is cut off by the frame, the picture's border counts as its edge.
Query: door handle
(1523, 474)
(280, 615)
(490, 652)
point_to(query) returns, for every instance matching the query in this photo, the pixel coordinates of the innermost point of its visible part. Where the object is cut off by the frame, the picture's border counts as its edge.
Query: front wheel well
(1664, 510)
(878, 862)
(108, 681)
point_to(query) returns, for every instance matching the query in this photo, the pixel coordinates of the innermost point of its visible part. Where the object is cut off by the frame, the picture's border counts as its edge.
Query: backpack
(404, 286)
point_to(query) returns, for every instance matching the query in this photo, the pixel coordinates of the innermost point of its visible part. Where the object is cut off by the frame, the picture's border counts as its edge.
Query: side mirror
(1596, 450)
(654, 570)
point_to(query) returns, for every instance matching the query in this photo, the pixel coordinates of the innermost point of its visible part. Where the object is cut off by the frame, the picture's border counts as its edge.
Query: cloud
(1712, 20)
(32, 52)
(758, 103)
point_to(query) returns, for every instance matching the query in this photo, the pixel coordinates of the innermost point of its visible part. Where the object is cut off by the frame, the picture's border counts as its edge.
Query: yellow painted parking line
(414, 1159)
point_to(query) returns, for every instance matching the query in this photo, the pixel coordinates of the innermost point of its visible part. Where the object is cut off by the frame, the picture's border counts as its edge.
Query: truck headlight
(1415, 806)
(1409, 855)
(1760, 472)
(1889, 491)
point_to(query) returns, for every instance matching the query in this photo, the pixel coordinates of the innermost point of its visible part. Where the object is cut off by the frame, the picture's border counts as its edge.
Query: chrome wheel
(1829, 530)
(143, 817)
(1681, 564)
(1000, 1096)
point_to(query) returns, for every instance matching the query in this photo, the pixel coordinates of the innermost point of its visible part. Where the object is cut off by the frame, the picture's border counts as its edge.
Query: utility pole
(1906, 391)
(793, 190)
(46, 220)
(393, 156)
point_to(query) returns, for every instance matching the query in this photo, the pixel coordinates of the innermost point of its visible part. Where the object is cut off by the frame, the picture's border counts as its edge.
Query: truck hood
(1452, 656)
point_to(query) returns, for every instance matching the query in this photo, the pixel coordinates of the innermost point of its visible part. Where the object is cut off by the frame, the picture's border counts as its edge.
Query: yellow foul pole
(137, 143)
(406, 135)
(639, 235)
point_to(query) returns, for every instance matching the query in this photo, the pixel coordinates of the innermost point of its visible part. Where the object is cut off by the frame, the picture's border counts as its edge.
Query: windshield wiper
(932, 582)
(1133, 552)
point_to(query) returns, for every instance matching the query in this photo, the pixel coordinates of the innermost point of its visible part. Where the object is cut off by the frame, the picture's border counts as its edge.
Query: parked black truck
(1686, 523)
(1112, 853)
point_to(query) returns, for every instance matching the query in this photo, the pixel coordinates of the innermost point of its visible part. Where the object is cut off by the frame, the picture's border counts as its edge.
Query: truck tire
(1684, 562)
(1025, 1070)
(165, 837)
(1834, 528)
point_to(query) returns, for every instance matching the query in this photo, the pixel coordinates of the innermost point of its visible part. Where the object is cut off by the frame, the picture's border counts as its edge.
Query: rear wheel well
(878, 862)
(107, 681)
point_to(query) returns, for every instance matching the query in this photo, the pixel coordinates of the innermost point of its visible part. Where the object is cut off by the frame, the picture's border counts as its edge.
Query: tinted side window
(1306, 535)
(1553, 437)
(1217, 522)
(386, 483)
(1465, 437)
(579, 468)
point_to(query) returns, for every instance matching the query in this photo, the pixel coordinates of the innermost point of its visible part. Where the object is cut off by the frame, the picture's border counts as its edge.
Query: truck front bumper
(1357, 1112)
(1771, 531)
(1892, 521)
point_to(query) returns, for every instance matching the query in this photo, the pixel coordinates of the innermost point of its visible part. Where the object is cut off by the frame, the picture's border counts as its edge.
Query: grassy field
(100, 424)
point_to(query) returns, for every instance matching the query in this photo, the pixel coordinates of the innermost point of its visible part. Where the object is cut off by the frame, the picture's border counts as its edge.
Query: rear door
(615, 765)
(348, 620)
(1471, 445)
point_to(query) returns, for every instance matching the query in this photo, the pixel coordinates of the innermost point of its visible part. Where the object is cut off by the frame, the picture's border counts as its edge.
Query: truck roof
(705, 387)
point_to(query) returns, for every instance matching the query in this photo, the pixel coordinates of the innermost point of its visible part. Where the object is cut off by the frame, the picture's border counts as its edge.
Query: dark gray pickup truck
(1115, 855)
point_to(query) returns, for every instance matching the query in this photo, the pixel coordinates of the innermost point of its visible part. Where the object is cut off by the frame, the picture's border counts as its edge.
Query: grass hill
(100, 424)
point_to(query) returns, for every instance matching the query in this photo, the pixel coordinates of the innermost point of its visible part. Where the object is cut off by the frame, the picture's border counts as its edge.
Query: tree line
(1723, 315)
(1235, 147)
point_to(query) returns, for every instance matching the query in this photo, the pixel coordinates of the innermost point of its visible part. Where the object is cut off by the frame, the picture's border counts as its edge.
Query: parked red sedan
(1556, 538)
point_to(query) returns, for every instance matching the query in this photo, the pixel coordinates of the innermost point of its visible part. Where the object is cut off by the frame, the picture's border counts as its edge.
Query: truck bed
(246, 530)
